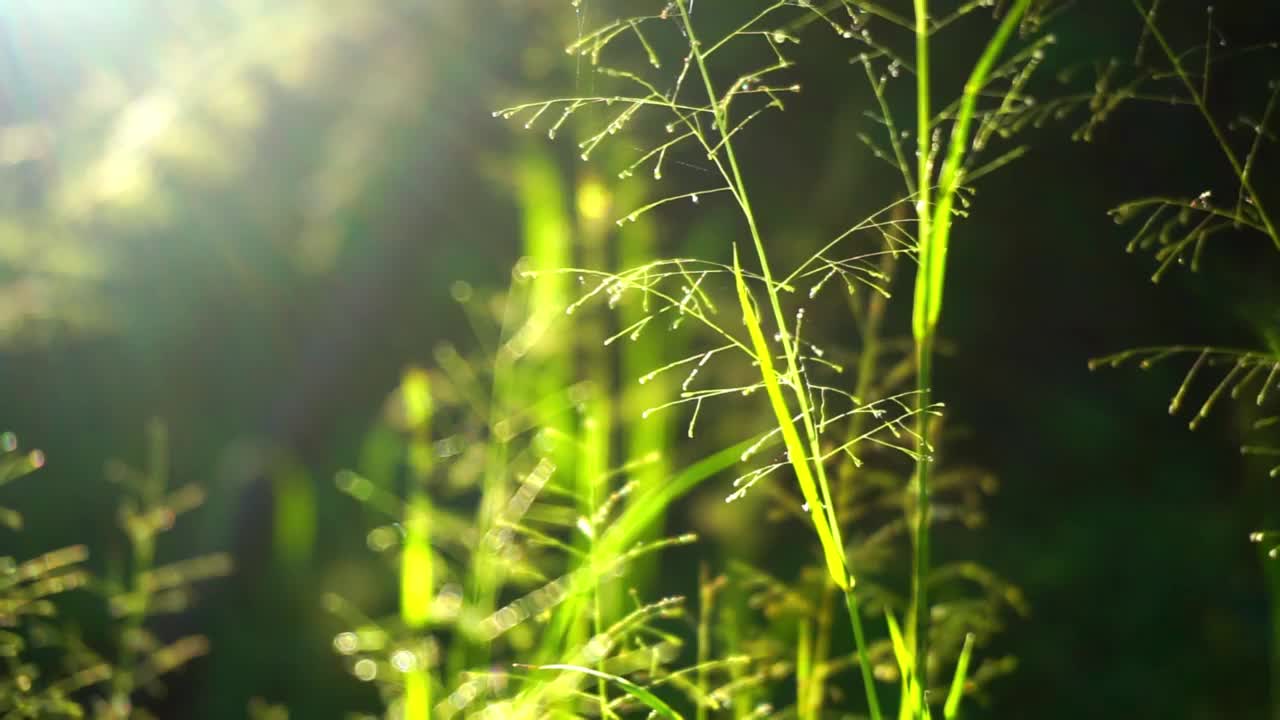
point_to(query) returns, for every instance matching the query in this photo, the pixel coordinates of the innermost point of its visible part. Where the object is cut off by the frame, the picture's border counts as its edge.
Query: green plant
(52, 671)
(682, 288)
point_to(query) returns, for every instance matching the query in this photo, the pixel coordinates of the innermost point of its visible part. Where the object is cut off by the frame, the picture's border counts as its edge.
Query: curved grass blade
(831, 550)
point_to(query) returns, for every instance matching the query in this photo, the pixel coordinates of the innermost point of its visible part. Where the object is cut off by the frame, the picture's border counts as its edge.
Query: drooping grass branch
(1199, 99)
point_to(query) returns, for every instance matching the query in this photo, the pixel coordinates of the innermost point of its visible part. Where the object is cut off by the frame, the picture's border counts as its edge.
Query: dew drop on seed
(1255, 537)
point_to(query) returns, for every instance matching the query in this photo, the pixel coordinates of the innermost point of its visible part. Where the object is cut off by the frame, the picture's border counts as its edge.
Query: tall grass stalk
(525, 372)
(596, 407)
(933, 237)
(417, 572)
(811, 474)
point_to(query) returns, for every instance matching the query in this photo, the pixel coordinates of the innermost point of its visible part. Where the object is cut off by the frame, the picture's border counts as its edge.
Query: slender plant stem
(824, 517)
(804, 667)
(417, 572)
(864, 658)
(918, 627)
(706, 596)
(920, 535)
(934, 238)
(821, 653)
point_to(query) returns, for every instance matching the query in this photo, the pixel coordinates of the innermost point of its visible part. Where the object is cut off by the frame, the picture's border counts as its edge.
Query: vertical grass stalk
(416, 563)
(933, 237)
(917, 624)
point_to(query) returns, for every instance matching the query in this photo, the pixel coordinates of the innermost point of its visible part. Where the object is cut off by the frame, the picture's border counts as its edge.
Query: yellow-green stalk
(542, 365)
(597, 405)
(416, 562)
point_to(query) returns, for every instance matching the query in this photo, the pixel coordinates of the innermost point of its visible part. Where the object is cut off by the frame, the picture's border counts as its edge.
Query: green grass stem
(934, 237)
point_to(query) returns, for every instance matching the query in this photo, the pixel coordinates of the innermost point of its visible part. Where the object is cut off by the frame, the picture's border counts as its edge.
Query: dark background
(210, 303)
